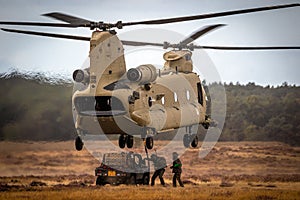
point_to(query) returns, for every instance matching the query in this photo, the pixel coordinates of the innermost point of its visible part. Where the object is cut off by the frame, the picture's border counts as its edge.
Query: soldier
(159, 165)
(176, 169)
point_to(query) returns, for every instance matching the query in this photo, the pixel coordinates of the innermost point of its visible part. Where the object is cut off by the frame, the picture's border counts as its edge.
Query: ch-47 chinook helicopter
(140, 101)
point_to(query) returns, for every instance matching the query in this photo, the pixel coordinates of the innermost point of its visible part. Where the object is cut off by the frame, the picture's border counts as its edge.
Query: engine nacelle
(143, 74)
(81, 76)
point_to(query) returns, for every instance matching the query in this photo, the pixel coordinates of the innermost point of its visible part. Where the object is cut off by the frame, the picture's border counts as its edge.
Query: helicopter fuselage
(108, 99)
(116, 102)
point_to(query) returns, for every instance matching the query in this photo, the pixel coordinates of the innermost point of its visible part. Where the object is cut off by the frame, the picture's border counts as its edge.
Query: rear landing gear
(190, 140)
(186, 140)
(194, 143)
(147, 136)
(149, 142)
(78, 143)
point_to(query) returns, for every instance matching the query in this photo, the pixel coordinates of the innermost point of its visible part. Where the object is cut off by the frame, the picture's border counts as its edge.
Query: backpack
(161, 162)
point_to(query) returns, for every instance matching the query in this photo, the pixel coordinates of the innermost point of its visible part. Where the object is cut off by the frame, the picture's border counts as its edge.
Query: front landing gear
(147, 136)
(125, 140)
(78, 144)
(122, 141)
(129, 141)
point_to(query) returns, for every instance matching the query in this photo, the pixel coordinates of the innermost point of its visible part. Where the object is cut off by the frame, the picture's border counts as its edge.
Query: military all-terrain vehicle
(123, 168)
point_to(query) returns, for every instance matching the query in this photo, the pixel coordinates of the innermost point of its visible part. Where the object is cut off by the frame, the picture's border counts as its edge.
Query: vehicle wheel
(78, 143)
(149, 142)
(131, 180)
(194, 143)
(98, 181)
(129, 141)
(186, 140)
(122, 141)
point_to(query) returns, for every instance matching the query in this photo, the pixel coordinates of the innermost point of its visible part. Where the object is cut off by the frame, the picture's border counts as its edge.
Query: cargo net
(115, 159)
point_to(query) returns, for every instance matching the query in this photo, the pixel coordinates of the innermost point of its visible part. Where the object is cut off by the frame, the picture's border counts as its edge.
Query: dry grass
(53, 158)
(247, 170)
(156, 192)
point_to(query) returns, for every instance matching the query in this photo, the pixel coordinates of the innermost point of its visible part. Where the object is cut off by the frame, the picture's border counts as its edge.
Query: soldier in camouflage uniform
(176, 169)
(159, 166)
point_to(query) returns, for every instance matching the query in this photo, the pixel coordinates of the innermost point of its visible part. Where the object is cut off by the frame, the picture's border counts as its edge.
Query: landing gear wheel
(122, 141)
(186, 140)
(129, 141)
(149, 142)
(206, 125)
(194, 143)
(78, 143)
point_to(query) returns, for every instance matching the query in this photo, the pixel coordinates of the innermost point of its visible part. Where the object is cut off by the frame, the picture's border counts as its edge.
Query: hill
(35, 109)
(262, 113)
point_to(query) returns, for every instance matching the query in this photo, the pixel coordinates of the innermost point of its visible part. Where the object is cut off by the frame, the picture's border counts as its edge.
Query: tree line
(256, 113)
(35, 110)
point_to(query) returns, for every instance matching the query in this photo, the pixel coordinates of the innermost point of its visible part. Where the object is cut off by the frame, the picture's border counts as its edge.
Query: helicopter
(140, 101)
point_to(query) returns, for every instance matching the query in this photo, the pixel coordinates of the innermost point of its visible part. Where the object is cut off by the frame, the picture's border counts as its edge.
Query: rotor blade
(212, 15)
(67, 18)
(72, 37)
(199, 33)
(248, 48)
(125, 42)
(41, 24)
(74, 22)
(134, 43)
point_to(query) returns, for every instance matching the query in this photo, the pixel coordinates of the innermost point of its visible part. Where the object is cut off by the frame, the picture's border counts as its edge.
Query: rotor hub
(105, 26)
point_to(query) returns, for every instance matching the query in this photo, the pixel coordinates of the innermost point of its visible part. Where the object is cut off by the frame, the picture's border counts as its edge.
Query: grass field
(232, 170)
(145, 192)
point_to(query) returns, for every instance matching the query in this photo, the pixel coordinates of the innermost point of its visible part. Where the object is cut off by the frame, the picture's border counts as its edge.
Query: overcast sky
(270, 28)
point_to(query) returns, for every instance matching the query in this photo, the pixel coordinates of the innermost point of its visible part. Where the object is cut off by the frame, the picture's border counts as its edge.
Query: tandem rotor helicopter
(137, 101)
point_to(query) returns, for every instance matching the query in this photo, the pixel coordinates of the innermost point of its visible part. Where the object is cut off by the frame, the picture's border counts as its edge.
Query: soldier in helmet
(159, 165)
(176, 169)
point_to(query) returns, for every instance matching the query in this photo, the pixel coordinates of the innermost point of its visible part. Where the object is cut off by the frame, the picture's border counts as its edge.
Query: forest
(36, 108)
